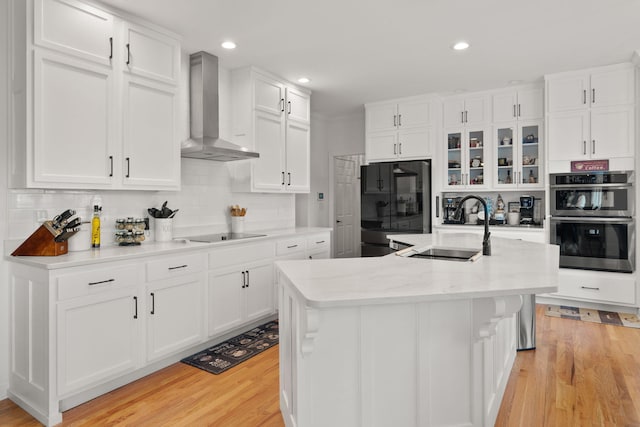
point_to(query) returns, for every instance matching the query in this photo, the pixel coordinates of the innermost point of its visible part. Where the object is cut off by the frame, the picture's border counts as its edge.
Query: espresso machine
(449, 206)
(526, 210)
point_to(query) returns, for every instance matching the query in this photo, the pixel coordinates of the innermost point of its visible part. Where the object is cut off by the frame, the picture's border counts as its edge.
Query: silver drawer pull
(321, 241)
(292, 246)
(180, 266)
(102, 281)
(589, 287)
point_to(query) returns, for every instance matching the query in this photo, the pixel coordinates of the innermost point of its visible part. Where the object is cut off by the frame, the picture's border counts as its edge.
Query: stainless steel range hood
(204, 142)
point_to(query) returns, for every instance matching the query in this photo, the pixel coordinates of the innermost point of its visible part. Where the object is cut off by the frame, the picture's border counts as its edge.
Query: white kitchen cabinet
(75, 97)
(518, 155)
(273, 118)
(525, 103)
(597, 286)
(467, 156)
(240, 286)
(598, 87)
(175, 304)
(319, 246)
(472, 110)
(399, 130)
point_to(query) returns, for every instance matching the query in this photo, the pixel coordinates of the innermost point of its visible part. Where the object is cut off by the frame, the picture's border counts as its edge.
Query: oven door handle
(590, 186)
(608, 220)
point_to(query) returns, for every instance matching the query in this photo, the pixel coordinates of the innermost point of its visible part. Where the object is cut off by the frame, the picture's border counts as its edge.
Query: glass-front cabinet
(466, 159)
(518, 155)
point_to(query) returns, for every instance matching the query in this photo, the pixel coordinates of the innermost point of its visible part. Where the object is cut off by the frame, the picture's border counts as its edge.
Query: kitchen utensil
(174, 213)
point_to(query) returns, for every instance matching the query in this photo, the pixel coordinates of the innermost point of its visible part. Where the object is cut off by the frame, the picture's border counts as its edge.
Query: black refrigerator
(395, 198)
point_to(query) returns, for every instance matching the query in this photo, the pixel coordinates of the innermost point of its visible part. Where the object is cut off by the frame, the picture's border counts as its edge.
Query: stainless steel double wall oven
(593, 220)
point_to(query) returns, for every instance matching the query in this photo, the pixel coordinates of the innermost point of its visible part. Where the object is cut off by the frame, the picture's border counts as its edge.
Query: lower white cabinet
(98, 338)
(596, 286)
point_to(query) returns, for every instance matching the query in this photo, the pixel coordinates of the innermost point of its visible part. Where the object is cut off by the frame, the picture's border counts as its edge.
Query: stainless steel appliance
(593, 220)
(449, 207)
(527, 210)
(395, 198)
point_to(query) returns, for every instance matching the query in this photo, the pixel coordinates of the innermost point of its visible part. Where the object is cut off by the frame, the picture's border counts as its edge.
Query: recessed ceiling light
(461, 45)
(228, 45)
(303, 80)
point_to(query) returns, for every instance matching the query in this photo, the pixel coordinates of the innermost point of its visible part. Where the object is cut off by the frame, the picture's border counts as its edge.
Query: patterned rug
(236, 350)
(595, 316)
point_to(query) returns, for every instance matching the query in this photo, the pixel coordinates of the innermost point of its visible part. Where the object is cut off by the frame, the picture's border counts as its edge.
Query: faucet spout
(486, 243)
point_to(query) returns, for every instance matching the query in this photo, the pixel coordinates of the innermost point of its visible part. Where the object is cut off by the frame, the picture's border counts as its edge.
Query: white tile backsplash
(204, 202)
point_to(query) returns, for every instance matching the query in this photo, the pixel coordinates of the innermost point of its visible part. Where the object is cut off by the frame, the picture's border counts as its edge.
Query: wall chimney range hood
(204, 142)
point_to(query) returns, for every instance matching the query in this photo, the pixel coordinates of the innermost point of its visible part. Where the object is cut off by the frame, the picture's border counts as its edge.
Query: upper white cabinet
(399, 130)
(591, 116)
(94, 100)
(518, 104)
(518, 160)
(273, 118)
(463, 111)
(466, 155)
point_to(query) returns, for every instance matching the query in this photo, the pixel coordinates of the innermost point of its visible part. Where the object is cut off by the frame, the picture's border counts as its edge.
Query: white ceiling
(358, 51)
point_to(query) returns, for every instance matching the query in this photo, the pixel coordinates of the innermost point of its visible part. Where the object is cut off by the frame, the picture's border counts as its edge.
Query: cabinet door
(476, 110)
(453, 112)
(414, 143)
(297, 154)
(505, 106)
(612, 132)
(226, 300)
(567, 93)
(259, 292)
(382, 146)
(151, 150)
(612, 87)
(382, 117)
(268, 170)
(175, 315)
(268, 95)
(476, 156)
(75, 28)
(150, 54)
(98, 338)
(73, 114)
(505, 140)
(530, 105)
(568, 135)
(530, 159)
(414, 114)
(298, 106)
(454, 158)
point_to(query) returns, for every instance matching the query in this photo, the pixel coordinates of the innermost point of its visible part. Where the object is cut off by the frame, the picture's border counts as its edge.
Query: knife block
(42, 243)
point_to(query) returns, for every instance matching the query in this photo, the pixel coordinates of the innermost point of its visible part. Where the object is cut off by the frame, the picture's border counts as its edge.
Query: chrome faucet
(486, 243)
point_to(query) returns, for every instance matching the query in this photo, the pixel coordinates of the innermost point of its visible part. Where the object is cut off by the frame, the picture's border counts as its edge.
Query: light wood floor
(581, 374)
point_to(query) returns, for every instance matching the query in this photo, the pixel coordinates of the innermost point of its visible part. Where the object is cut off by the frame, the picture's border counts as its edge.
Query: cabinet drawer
(240, 254)
(607, 288)
(95, 281)
(317, 243)
(288, 246)
(174, 266)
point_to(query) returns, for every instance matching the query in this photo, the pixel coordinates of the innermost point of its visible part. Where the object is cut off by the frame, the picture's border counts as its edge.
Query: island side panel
(417, 364)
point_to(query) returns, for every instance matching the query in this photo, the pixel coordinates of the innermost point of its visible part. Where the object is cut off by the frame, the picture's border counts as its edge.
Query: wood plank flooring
(581, 374)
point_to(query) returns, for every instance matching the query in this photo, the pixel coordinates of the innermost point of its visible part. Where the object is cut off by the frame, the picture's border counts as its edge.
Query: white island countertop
(515, 267)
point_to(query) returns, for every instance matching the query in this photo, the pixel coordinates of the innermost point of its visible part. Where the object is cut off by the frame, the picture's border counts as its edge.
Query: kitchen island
(405, 341)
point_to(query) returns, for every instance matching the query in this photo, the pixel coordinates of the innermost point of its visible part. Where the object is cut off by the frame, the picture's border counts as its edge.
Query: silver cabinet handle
(179, 266)
(400, 148)
(584, 147)
(518, 110)
(593, 96)
(321, 241)
(466, 116)
(514, 110)
(584, 96)
(394, 149)
(399, 119)
(593, 146)
(102, 281)
(461, 116)
(590, 288)
(394, 121)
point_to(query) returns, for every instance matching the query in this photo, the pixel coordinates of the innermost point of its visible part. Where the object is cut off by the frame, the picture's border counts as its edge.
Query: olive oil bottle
(95, 227)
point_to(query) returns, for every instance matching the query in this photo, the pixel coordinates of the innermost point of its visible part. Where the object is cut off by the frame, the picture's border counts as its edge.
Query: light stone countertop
(515, 267)
(121, 253)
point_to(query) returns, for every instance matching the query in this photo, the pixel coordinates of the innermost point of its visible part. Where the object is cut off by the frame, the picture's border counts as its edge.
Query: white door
(73, 113)
(382, 146)
(413, 114)
(346, 204)
(226, 300)
(298, 106)
(476, 110)
(612, 132)
(268, 170)
(530, 104)
(150, 54)
(569, 135)
(414, 143)
(612, 87)
(151, 149)
(382, 117)
(268, 95)
(505, 106)
(259, 290)
(174, 313)
(298, 157)
(567, 93)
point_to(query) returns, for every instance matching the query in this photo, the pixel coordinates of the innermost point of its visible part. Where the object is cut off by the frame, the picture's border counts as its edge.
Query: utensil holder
(237, 224)
(163, 229)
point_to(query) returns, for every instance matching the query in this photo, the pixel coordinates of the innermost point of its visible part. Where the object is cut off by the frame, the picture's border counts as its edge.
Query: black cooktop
(221, 237)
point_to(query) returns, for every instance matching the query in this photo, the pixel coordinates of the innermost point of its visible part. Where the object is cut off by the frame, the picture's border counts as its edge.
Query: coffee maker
(449, 206)
(526, 210)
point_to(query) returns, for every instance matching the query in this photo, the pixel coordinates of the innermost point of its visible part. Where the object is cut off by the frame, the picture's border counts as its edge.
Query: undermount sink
(450, 254)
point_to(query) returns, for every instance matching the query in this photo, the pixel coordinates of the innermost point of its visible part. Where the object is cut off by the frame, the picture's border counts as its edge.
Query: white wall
(203, 199)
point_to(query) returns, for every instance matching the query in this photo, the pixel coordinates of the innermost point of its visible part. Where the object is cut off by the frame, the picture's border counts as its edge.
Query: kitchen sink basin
(450, 254)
